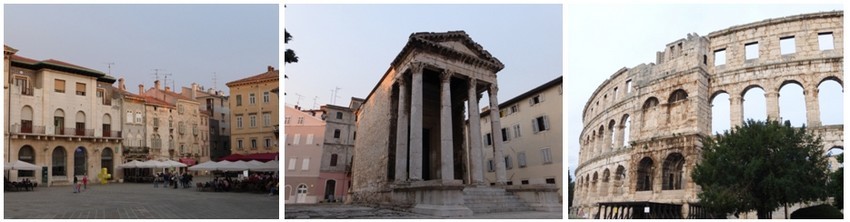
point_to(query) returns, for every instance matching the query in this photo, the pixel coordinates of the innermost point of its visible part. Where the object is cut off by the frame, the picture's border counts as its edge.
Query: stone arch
(601, 140)
(650, 113)
(606, 176)
(26, 119)
(721, 116)
(106, 160)
(80, 161)
(594, 187)
(830, 93)
(831, 153)
(60, 162)
(613, 134)
(792, 102)
(626, 125)
(677, 95)
(59, 122)
(644, 174)
(832, 78)
(26, 154)
(619, 177)
(673, 172)
(754, 103)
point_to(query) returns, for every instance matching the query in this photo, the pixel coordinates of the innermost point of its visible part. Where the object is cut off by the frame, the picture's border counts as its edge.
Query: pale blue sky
(189, 41)
(605, 38)
(351, 46)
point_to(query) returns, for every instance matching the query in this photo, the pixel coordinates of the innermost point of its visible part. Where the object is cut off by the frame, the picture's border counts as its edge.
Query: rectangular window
(265, 97)
(286, 120)
(309, 139)
(139, 118)
(487, 140)
(59, 86)
(540, 124)
(238, 100)
(546, 153)
(338, 115)
(520, 158)
(514, 108)
(536, 99)
(305, 164)
(629, 86)
(252, 99)
(239, 144)
(719, 57)
(253, 143)
(509, 183)
(490, 166)
(787, 45)
(268, 143)
(825, 41)
(81, 89)
(239, 122)
(296, 139)
(253, 119)
(291, 164)
(129, 116)
(267, 119)
(517, 132)
(336, 134)
(508, 163)
(300, 120)
(752, 50)
(550, 180)
(506, 134)
(524, 182)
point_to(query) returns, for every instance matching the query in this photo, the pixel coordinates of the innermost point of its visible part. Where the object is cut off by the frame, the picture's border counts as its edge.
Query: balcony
(27, 129)
(116, 134)
(27, 91)
(79, 132)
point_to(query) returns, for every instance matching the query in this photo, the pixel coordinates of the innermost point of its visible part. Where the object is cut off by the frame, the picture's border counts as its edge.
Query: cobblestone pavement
(132, 201)
(343, 211)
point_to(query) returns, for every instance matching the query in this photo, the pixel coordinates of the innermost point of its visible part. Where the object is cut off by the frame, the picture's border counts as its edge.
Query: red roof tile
(268, 75)
(157, 102)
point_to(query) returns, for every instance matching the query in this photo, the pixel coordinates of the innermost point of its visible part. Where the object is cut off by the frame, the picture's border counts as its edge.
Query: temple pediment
(454, 44)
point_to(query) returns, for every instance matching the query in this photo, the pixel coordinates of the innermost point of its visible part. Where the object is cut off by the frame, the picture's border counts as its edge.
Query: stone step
(486, 200)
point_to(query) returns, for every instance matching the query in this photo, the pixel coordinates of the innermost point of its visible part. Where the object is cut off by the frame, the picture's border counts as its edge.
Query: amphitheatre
(641, 127)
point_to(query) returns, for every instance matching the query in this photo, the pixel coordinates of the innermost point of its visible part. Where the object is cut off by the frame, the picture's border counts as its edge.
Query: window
(336, 133)
(129, 116)
(333, 159)
(239, 122)
(614, 95)
(520, 158)
(265, 97)
(239, 144)
(536, 99)
(291, 164)
(487, 140)
(752, 50)
(672, 172)
(305, 164)
(508, 163)
(286, 120)
(524, 182)
(253, 143)
(490, 166)
(546, 153)
(354, 135)
(629, 86)
(252, 99)
(825, 41)
(338, 115)
(268, 143)
(540, 124)
(509, 183)
(506, 135)
(644, 174)
(787, 45)
(309, 139)
(59, 86)
(139, 117)
(253, 120)
(296, 139)
(678, 95)
(180, 109)
(514, 109)
(81, 89)
(517, 133)
(550, 180)
(267, 119)
(300, 120)
(238, 100)
(719, 57)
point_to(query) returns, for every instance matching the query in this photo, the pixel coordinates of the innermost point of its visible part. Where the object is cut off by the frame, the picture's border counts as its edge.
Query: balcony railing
(27, 91)
(79, 132)
(113, 133)
(29, 129)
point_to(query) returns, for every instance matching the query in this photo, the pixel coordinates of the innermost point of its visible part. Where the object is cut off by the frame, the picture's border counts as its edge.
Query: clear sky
(604, 38)
(191, 42)
(351, 46)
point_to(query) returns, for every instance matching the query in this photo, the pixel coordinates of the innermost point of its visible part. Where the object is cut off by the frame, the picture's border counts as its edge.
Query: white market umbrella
(131, 164)
(209, 165)
(234, 166)
(269, 166)
(20, 165)
(172, 163)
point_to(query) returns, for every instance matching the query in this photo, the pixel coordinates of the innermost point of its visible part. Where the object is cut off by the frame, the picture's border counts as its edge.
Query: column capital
(416, 67)
(400, 81)
(494, 89)
(472, 81)
(446, 75)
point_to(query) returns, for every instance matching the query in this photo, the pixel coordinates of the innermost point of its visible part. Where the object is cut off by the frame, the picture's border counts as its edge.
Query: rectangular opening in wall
(825, 41)
(752, 50)
(787, 45)
(629, 86)
(720, 57)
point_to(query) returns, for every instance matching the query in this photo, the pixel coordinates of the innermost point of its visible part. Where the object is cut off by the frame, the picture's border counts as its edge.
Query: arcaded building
(410, 151)
(640, 139)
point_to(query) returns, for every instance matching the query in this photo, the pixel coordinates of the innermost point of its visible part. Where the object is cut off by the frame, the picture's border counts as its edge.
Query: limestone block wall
(642, 125)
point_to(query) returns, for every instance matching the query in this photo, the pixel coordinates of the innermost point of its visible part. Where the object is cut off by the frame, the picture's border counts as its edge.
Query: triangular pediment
(459, 46)
(453, 44)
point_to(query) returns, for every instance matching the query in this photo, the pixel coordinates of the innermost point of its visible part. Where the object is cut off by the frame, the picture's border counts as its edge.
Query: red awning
(262, 157)
(188, 161)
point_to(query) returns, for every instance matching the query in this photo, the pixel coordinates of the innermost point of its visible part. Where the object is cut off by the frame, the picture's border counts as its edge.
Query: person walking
(76, 187)
(85, 181)
(156, 179)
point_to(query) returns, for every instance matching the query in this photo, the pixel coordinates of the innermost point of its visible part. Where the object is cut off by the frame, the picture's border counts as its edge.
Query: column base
(434, 197)
(540, 197)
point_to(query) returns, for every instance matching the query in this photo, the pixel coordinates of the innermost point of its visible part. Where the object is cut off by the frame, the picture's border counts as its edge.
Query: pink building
(303, 139)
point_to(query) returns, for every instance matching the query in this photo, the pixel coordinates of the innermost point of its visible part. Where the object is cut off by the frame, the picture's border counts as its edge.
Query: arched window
(80, 128)
(611, 125)
(59, 122)
(673, 172)
(107, 127)
(677, 95)
(626, 125)
(333, 159)
(80, 161)
(650, 103)
(26, 119)
(644, 174)
(106, 160)
(595, 179)
(26, 154)
(830, 100)
(59, 159)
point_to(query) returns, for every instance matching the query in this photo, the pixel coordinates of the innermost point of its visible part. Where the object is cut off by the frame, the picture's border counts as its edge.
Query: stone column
(496, 126)
(736, 109)
(401, 132)
(813, 107)
(475, 149)
(446, 141)
(416, 122)
(772, 99)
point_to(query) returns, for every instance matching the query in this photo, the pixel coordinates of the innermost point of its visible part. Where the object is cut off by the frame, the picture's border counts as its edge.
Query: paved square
(346, 211)
(132, 200)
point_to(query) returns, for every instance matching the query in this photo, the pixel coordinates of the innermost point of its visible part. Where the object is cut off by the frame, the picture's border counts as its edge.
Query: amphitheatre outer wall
(642, 125)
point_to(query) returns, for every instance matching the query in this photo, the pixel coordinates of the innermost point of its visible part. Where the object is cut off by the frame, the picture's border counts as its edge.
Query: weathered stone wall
(662, 122)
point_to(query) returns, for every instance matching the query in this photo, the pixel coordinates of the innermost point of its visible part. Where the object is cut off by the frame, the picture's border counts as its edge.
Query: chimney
(121, 84)
(141, 89)
(194, 90)
(167, 89)
(156, 84)
(211, 91)
(271, 68)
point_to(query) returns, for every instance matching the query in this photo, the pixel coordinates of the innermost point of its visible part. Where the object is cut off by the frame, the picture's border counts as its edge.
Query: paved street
(131, 201)
(342, 211)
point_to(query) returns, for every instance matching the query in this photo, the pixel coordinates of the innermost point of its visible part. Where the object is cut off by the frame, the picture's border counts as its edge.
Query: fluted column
(401, 132)
(812, 107)
(416, 122)
(772, 99)
(496, 127)
(477, 154)
(736, 109)
(446, 140)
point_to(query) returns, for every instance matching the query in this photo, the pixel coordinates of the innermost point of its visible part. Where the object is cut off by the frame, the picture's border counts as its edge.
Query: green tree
(571, 187)
(836, 184)
(760, 166)
(289, 55)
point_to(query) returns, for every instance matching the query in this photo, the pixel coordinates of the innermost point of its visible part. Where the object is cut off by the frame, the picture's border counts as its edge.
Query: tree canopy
(289, 55)
(760, 166)
(836, 184)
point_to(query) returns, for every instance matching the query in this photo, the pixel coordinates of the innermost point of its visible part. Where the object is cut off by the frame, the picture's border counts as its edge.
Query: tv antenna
(314, 102)
(298, 101)
(156, 73)
(215, 83)
(109, 67)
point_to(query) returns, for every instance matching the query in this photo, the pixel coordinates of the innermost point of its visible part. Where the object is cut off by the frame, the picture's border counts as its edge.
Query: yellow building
(254, 113)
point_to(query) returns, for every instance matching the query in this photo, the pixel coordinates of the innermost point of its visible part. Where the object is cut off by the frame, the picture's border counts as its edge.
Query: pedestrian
(156, 179)
(85, 181)
(76, 188)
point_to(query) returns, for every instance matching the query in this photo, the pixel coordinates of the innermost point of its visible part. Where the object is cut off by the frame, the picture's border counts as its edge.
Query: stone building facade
(62, 117)
(410, 152)
(254, 113)
(215, 104)
(337, 149)
(642, 125)
(531, 135)
(184, 136)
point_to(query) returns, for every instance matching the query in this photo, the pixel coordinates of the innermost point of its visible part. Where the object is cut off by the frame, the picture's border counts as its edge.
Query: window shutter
(305, 164)
(545, 122)
(534, 125)
(541, 97)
